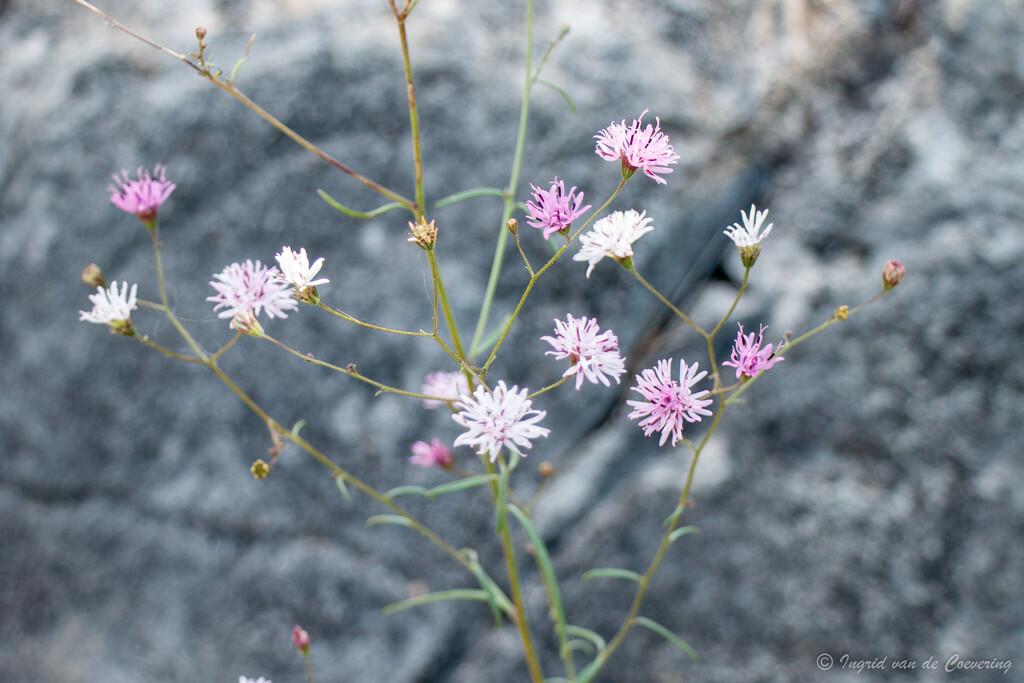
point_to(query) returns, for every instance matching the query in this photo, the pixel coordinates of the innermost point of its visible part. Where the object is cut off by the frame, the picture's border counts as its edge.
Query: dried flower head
(498, 419)
(667, 403)
(592, 354)
(749, 358)
(144, 196)
(423, 233)
(251, 287)
(613, 236)
(554, 210)
(637, 148)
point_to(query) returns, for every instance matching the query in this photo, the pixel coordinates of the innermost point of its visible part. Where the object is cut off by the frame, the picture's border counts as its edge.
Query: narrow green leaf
(499, 602)
(407, 491)
(359, 214)
(439, 596)
(611, 573)
(469, 194)
(667, 635)
(491, 339)
(240, 62)
(580, 644)
(589, 671)
(339, 481)
(587, 634)
(298, 426)
(397, 520)
(561, 91)
(682, 531)
(460, 485)
(671, 519)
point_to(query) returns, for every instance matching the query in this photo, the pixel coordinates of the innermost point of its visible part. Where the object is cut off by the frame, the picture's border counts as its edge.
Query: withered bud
(200, 32)
(843, 312)
(93, 276)
(260, 469)
(246, 323)
(546, 469)
(892, 274)
(423, 233)
(512, 225)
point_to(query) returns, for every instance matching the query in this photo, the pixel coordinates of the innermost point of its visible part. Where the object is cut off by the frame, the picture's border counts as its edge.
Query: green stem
(345, 316)
(414, 119)
(453, 329)
(672, 307)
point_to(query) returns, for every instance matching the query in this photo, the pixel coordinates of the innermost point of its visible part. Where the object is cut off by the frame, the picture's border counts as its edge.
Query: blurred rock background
(864, 501)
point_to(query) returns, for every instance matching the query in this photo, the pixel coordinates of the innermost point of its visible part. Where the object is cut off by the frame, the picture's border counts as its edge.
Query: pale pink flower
(296, 270)
(445, 385)
(433, 454)
(144, 196)
(637, 148)
(499, 419)
(555, 209)
(748, 357)
(109, 306)
(592, 354)
(261, 679)
(251, 287)
(667, 403)
(749, 234)
(613, 236)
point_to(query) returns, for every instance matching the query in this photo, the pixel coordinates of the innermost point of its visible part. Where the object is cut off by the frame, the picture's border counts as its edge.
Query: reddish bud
(892, 274)
(301, 639)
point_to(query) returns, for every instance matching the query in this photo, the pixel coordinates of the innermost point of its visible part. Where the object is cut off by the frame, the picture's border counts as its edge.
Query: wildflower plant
(499, 423)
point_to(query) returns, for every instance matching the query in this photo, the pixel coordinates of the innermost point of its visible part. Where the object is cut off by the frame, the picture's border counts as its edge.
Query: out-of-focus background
(864, 501)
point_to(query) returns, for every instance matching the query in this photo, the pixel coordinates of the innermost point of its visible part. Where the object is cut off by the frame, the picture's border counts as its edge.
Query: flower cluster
(251, 287)
(749, 358)
(592, 354)
(498, 419)
(667, 403)
(613, 236)
(637, 148)
(554, 210)
(144, 196)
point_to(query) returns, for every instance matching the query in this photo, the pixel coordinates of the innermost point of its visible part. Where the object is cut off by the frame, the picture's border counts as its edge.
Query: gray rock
(861, 502)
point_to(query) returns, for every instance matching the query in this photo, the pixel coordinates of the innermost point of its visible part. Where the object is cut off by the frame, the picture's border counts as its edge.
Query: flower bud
(842, 312)
(246, 323)
(512, 225)
(93, 276)
(892, 274)
(260, 469)
(200, 32)
(546, 469)
(301, 639)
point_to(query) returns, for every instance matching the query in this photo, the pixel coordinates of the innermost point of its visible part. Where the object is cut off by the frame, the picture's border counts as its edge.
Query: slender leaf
(439, 596)
(240, 62)
(359, 214)
(499, 602)
(561, 91)
(682, 531)
(407, 491)
(492, 338)
(460, 485)
(469, 194)
(580, 644)
(611, 573)
(297, 427)
(397, 520)
(339, 481)
(587, 634)
(671, 519)
(667, 635)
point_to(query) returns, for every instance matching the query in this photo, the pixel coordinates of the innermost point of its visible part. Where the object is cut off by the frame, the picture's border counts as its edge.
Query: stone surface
(862, 501)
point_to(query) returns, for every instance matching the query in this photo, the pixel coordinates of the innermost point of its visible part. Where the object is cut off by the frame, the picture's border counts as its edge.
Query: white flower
(747, 234)
(110, 305)
(499, 419)
(251, 287)
(613, 236)
(261, 679)
(295, 269)
(591, 355)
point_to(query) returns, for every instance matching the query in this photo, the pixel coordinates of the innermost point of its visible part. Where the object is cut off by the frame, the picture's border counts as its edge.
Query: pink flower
(433, 454)
(251, 287)
(637, 148)
(748, 357)
(667, 403)
(295, 269)
(555, 209)
(613, 236)
(111, 306)
(144, 196)
(300, 639)
(591, 355)
(499, 419)
(445, 385)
